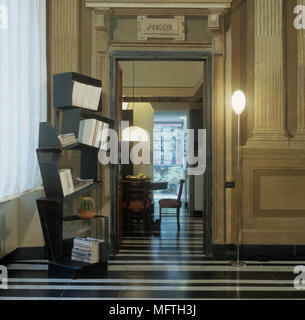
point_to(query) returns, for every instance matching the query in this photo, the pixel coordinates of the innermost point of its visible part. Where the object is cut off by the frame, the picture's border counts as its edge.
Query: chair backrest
(180, 189)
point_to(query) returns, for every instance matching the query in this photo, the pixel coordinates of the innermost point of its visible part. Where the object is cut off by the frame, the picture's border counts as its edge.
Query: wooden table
(149, 185)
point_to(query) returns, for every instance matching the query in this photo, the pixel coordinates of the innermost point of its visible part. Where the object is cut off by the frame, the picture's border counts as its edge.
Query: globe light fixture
(238, 102)
(135, 134)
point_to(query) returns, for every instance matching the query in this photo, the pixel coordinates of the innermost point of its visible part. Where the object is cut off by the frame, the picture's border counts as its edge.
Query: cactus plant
(87, 208)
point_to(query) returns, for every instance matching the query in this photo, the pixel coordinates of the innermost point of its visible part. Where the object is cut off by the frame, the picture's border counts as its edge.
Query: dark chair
(172, 203)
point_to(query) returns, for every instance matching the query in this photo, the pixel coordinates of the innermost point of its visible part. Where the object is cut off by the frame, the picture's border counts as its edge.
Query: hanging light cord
(133, 82)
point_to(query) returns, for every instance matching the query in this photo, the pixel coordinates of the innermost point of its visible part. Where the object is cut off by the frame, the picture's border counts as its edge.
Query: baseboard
(26, 253)
(249, 252)
(196, 213)
(257, 252)
(8, 258)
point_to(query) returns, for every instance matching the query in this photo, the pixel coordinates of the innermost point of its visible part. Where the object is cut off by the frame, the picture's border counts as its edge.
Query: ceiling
(161, 78)
(166, 116)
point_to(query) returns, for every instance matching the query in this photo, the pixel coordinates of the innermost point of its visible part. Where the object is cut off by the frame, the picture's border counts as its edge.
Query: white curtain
(23, 92)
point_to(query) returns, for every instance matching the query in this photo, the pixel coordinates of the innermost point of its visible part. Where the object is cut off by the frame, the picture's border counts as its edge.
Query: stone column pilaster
(299, 137)
(270, 124)
(215, 24)
(63, 41)
(100, 70)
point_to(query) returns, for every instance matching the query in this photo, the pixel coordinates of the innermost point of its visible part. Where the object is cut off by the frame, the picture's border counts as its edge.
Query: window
(166, 165)
(23, 92)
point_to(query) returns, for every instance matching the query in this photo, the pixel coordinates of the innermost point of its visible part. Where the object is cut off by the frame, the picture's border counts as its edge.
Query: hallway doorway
(136, 93)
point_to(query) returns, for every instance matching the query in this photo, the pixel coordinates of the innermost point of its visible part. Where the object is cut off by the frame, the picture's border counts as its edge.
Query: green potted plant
(87, 209)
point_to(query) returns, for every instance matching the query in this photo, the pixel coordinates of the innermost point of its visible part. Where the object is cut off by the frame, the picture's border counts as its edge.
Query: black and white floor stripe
(167, 265)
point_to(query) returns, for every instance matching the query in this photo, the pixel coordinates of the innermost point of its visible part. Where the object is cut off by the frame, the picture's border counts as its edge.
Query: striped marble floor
(165, 265)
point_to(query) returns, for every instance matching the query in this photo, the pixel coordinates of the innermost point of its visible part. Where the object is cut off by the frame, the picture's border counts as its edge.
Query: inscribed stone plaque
(152, 28)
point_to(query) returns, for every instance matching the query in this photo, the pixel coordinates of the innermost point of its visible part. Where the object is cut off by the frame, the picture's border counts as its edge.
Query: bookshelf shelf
(70, 267)
(83, 191)
(76, 194)
(49, 153)
(76, 218)
(86, 114)
(75, 146)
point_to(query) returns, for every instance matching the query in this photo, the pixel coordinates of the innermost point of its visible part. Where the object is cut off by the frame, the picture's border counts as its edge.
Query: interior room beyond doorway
(156, 95)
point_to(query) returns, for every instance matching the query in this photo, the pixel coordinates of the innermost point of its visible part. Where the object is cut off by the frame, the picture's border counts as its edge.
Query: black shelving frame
(49, 153)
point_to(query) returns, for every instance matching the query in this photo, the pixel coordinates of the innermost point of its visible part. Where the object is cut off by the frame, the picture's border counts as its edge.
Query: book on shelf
(88, 242)
(66, 181)
(86, 249)
(67, 139)
(86, 259)
(86, 132)
(86, 96)
(104, 137)
(80, 184)
(93, 132)
(99, 131)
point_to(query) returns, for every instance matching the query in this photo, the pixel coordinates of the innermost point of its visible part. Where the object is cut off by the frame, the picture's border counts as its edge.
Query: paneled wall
(272, 171)
(273, 205)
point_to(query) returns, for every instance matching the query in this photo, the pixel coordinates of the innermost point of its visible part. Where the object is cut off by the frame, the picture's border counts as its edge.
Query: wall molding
(260, 252)
(258, 185)
(25, 253)
(194, 4)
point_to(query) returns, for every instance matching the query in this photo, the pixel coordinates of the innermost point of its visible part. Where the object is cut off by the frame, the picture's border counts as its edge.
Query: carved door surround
(101, 48)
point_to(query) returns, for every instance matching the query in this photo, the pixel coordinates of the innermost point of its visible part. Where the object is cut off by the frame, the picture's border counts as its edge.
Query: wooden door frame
(207, 58)
(119, 94)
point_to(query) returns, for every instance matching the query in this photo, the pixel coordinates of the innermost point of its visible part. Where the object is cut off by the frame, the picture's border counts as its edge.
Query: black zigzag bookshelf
(67, 118)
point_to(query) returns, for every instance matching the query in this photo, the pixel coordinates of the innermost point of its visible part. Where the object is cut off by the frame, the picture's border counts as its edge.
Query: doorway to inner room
(168, 92)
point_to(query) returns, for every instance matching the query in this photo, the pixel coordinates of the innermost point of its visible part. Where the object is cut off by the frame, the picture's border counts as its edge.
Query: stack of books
(67, 139)
(93, 132)
(86, 96)
(66, 181)
(86, 250)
